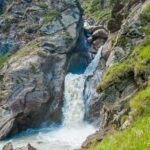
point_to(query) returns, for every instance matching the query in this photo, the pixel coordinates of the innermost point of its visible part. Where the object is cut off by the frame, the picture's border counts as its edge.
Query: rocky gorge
(100, 48)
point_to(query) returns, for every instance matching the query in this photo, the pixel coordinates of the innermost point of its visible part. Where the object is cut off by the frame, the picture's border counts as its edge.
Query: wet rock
(28, 147)
(8, 146)
(90, 39)
(92, 29)
(98, 43)
(97, 36)
(100, 33)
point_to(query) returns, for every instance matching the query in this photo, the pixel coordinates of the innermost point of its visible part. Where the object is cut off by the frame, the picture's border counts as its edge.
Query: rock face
(129, 35)
(31, 86)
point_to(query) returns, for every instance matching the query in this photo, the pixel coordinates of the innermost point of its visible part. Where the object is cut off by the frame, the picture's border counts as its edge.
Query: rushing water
(74, 129)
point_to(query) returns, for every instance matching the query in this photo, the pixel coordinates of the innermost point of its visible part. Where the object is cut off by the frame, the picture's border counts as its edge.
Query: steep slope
(124, 93)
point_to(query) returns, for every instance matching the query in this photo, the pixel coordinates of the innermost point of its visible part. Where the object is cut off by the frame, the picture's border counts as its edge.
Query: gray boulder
(9, 146)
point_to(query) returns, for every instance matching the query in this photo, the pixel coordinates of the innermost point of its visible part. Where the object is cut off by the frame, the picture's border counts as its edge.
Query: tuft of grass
(50, 15)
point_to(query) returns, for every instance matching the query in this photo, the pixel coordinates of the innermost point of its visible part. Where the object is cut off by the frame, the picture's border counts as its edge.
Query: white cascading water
(74, 130)
(74, 103)
(74, 100)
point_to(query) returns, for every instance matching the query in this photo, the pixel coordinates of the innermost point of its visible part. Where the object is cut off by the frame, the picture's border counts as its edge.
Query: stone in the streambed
(90, 39)
(101, 33)
(28, 147)
(92, 29)
(8, 146)
(98, 43)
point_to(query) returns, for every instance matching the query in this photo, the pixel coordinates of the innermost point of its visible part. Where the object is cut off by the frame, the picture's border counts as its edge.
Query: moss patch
(3, 59)
(50, 15)
(29, 48)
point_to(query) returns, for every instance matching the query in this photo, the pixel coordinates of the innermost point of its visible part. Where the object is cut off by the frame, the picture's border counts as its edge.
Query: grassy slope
(137, 135)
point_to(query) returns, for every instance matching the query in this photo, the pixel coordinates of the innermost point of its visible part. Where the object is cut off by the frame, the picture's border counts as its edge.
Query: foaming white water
(74, 108)
(74, 102)
(74, 130)
(58, 139)
(93, 65)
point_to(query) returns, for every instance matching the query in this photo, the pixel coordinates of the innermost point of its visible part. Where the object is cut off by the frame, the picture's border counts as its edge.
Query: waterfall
(74, 108)
(74, 104)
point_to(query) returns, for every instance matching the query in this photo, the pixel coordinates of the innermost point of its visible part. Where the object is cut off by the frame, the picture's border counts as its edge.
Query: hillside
(126, 121)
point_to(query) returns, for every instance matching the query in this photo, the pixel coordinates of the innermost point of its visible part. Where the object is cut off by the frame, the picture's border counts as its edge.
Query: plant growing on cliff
(3, 59)
(50, 15)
